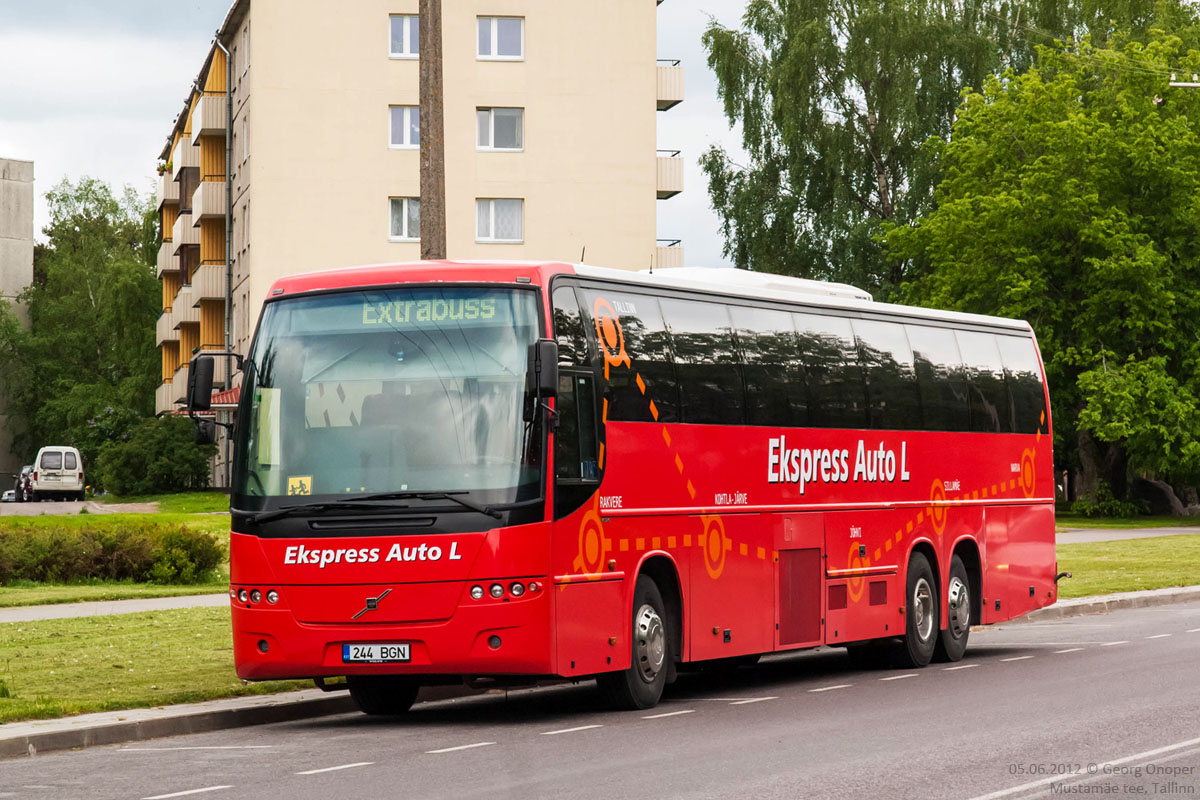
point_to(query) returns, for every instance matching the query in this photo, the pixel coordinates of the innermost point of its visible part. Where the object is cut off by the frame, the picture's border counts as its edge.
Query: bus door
(864, 564)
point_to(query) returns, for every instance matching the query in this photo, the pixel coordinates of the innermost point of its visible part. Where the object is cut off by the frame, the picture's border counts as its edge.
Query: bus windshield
(390, 390)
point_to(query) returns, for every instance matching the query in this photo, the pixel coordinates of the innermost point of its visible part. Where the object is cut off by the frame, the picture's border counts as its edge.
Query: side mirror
(542, 376)
(206, 431)
(200, 383)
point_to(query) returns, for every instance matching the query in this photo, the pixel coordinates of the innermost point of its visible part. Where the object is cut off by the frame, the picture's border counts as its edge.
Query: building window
(406, 35)
(501, 38)
(499, 220)
(245, 48)
(406, 219)
(500, 128)
(406, 126)
(245, 137)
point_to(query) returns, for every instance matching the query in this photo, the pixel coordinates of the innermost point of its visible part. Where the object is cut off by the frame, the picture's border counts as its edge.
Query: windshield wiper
(451, 496)
(337, 505)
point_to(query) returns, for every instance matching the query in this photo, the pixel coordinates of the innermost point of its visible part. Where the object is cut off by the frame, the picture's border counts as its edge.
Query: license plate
(374, 653)
(50, 477)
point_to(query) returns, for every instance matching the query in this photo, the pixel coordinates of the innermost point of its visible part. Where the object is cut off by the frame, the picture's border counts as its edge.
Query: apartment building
(16, 273)
(297, 150)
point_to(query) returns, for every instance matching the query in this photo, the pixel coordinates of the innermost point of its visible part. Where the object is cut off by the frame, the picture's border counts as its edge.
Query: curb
(1100, 604)
(73, 733)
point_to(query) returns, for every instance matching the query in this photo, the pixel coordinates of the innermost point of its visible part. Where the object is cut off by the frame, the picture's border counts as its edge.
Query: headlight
(256, 596)
(517, 589)
(497, 590)
(476, 592)
(243, 595)
(272, 597)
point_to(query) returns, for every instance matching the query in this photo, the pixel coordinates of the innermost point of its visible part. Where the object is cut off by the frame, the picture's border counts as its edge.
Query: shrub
(138, 551)
(160, 456)
(1106, 504)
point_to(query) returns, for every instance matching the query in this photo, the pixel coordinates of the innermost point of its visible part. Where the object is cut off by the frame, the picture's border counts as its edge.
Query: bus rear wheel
(952, 642)
(641, 686)
(382, 695)
(921, 615)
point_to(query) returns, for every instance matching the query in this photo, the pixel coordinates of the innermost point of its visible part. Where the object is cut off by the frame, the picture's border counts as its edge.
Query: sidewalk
(1076, 535)
(103, 608)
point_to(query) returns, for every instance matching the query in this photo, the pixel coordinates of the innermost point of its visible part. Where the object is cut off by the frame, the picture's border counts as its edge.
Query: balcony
(670, 174)
(178, 393)
(209, 117)
(166, 258)
(208, 201)
(184, 308)
(668, 253)
(162, 398)
(168, 191)
(164, 330)
(208, 283)
(184, 233)
(670, 83)
(183, 156)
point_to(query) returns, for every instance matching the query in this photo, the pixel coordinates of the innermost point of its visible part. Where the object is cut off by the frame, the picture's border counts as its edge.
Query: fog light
(517, 589)
(476, 592)
(272, 597)
(233, 593)
(263, 646)
(242, 595)
(534, 586)
(494, 642)
(497, 590)
(256, 596)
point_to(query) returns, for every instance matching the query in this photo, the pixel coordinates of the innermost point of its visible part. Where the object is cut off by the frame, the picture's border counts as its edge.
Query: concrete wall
(16, 272)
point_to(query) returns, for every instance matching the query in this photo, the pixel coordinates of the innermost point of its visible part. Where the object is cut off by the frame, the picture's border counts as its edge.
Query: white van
(58, 472)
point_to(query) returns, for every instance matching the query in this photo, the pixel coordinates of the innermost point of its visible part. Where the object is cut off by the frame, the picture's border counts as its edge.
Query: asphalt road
(1092, 704)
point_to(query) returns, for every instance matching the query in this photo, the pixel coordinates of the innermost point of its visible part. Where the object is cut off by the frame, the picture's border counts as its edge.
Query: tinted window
(568, 327)
(836, 393)
(775, 390)
(52, 460)
(940, 377)
(70, 461)
(1024, 373)
(893, 401)
(632, 341)
(706, 366)
(990, 409)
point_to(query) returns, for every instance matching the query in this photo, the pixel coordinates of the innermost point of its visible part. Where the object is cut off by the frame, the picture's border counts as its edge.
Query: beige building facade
(550, 129)
(16, 273)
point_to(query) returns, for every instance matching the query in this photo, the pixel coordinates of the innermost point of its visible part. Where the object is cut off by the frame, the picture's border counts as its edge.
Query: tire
(383, 695)
(641, 686)
(921, 616)
(952, 642)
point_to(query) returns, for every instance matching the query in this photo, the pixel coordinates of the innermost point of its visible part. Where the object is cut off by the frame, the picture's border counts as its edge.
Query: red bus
(522, 471)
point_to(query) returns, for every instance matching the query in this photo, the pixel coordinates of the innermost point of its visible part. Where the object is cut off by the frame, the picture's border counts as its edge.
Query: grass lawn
(1073, 521)
(72, 666)
(1129, 565)
(183, 502)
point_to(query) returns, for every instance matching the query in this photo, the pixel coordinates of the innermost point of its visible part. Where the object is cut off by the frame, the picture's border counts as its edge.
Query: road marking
(1069, 650)
(671, 714)
(1016, 658)
(960, 666)
(1113, 644)
(197, 747)
(831, 688)
(571, 730)
(1159, 636)
(1100, 768)
(899, 677)
(335, 769)
(752, 700)
(1194, 630)
(189, 791)
(460, 747)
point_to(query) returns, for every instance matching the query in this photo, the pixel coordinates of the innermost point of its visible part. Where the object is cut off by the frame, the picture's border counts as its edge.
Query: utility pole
(433, 146)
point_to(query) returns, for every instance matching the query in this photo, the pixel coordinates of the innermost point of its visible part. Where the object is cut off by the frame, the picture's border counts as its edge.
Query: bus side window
(940, 377)
(776, 394)
(576, 444)
(1025, 385)
(639, 324)
(990, 408)
(894, 402)
(568, 327)
(710, 378)
(836, 390)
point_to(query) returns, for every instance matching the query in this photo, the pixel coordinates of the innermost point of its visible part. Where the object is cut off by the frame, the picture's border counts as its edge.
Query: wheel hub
(650, 642)
(959, 602)
(923, 611)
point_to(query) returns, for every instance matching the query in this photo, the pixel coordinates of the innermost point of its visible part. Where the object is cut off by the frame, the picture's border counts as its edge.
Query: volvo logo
(372, 604)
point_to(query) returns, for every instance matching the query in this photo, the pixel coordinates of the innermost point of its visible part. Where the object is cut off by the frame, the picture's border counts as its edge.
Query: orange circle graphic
(609, 335)
(714, 545)
(592, 550)
(937, 511)
(856, 584)
(1028, 473)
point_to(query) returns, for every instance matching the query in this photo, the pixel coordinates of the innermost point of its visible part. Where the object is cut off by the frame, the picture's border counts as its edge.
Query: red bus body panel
(762, 561)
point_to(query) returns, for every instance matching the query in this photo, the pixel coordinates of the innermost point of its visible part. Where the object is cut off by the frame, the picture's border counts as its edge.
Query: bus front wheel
(641, 686)
(921, 615)
(382, 695)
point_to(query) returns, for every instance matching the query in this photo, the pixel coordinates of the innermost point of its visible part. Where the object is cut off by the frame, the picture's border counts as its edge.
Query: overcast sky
(91, 88)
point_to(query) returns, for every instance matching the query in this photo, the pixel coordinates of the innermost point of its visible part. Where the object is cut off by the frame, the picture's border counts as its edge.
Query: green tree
(160, 455)
(1071, 198)
(836, 99)
(87, 360)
